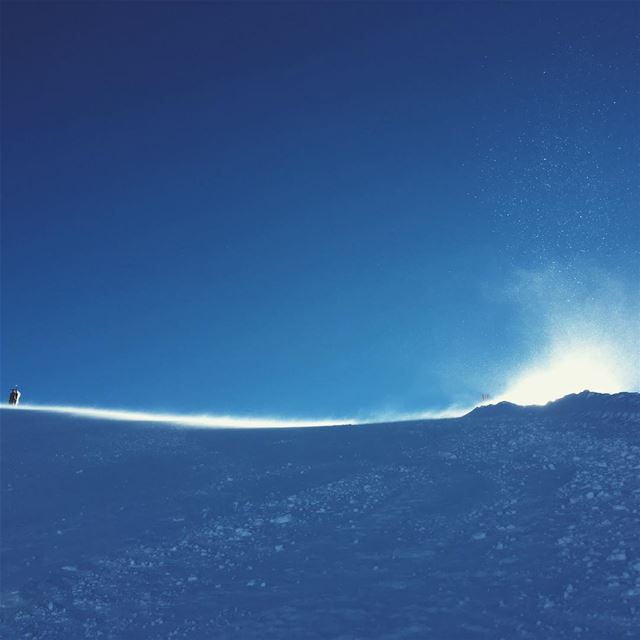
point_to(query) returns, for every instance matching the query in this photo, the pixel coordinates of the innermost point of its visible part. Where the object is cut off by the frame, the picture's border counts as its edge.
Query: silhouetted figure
(14, 396)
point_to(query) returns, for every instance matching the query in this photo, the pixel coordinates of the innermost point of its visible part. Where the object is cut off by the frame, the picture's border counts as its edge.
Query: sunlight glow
(593, 367)
(204, 421)
(584, 334)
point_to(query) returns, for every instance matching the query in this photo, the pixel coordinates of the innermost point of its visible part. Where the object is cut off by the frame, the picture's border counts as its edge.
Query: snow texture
(503, 524)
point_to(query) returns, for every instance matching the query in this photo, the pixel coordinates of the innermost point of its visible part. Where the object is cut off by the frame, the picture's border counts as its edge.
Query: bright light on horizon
(597, 368)
(234, 422)
(202, 420)
(585, 337)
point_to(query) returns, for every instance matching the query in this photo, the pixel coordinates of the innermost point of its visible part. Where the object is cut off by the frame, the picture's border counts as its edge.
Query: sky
(319, 209)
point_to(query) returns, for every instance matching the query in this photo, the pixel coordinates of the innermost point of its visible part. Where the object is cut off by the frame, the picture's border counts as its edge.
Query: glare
(594, 367)
(204, 421)
(582, 333)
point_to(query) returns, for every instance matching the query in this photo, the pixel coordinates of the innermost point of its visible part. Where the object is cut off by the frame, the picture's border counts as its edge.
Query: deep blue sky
(304, 209)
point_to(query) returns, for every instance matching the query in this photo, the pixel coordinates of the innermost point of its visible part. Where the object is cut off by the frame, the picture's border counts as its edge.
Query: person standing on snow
(14, 396)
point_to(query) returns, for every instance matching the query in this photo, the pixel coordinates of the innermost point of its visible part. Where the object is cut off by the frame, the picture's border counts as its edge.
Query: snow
(282, 519)
(504, 526)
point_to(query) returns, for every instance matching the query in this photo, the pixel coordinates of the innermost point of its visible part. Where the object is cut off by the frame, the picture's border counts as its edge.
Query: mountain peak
(583, 402)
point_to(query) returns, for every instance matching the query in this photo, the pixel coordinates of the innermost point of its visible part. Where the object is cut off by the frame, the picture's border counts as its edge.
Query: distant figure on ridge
(14, 396)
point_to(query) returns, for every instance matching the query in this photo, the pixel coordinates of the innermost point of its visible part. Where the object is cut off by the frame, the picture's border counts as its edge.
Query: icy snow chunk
(481, 535)
(282, 519)
(279, 547)
(617, 556)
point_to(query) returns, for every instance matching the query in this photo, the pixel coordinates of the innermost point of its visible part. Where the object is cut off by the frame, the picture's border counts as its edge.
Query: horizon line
(204, 420)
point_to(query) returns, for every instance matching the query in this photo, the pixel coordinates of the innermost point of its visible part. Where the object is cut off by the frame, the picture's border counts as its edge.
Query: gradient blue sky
(310, 209)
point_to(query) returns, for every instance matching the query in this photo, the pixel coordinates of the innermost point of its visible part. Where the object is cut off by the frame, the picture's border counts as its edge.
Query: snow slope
(502, 524)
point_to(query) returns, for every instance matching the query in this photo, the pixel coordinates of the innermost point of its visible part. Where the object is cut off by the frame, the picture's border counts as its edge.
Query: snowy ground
(484, 527)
